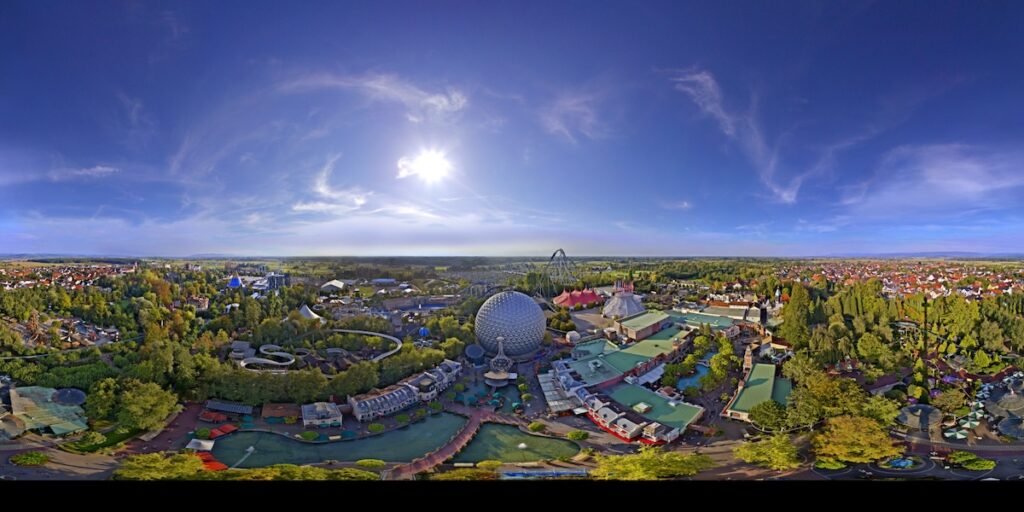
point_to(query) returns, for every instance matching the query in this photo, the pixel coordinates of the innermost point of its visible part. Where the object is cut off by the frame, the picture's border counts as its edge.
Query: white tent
(333, 286)
(621, 305)
(200, 445)
(309, 314)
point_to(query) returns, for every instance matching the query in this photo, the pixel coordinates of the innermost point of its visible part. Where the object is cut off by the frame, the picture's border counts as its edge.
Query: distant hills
(930, 255)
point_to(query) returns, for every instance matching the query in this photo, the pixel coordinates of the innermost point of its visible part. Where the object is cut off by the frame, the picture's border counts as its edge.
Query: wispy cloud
(138, 125)
(332, 200)
(939, 181)
(96, 171)
(677, 205)
(742, 127)
(421, 104)
(572, 115)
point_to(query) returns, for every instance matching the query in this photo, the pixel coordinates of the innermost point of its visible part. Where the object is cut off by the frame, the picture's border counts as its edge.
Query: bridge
(477, 417)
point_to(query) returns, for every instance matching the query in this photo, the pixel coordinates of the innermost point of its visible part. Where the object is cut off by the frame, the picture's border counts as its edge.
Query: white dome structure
(621, 305)
(514, 317)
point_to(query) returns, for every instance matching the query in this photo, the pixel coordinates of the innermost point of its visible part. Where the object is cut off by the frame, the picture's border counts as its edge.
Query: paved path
(431, 460)
(181, 425)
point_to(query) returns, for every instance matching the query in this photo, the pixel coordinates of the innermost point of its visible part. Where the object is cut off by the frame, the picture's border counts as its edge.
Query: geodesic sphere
(516, 318)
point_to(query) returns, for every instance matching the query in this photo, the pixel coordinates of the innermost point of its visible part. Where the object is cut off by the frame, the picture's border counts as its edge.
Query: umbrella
(978, 405)
(976, 415)
(969, 423)
(949, 433)
(960, 434)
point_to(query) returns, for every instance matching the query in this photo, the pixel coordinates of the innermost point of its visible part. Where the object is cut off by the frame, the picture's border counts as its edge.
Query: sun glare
(430, 165)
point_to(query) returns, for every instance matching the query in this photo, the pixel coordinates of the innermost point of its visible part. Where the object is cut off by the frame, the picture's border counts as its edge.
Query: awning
(200, 445)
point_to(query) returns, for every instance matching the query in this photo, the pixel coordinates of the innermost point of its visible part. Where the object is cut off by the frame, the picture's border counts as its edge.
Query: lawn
(114, 437)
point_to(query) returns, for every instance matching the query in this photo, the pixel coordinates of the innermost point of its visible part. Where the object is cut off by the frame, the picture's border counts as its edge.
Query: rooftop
(761, 385)
(661, 411)
(644, 320)
(591, 375)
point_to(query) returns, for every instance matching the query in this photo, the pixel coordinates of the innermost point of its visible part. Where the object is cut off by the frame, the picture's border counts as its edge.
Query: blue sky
(640, 128)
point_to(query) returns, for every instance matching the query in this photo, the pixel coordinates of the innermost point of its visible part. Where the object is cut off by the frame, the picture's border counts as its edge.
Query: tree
(870, 347)
(854, 439)
(144, 406)
(800, 367)
(950, 400)
(769, 415)
(880, 409)
(981, 360)
(578, 435)
(102, 399)
(796, 316)
(778, 453)
(650, 463)
(158, 466)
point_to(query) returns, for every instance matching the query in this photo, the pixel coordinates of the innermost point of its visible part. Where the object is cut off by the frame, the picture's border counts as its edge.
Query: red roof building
(574, 298)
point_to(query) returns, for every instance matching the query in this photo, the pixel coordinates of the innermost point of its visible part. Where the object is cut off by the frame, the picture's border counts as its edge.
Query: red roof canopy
(576, 297)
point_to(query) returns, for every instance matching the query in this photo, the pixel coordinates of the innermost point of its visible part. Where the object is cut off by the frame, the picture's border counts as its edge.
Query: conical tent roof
(308, 313)
(621, 305)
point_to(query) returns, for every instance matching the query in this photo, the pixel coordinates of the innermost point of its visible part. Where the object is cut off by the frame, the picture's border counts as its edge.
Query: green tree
(650, 463)
(778, 453)
(144, 406)
(102, 399)
(769, 415)
(796, 317)
(880, 409)
(159, 466)
(854, 439)
(950, 400)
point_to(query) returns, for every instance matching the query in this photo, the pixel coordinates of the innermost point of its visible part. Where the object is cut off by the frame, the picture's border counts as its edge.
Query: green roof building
(760, 385)
(642, 325)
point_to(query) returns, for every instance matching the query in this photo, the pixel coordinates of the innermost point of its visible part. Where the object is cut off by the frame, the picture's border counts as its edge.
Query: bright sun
(430, 165)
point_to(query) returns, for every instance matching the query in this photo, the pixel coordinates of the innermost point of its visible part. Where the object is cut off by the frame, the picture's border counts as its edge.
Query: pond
(501, 442)
(401, 445)
(694, 380)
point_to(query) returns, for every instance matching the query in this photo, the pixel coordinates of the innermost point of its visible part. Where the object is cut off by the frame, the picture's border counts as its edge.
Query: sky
(511, 128)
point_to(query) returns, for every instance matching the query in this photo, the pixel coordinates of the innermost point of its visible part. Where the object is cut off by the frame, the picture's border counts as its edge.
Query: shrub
(291, 420)
(203, 433)
(489, 465)
(402, 418)
(459, 387)
(536, 426)
(309, 435)
(375, 428)
(371, 463)
(30, 459)
(435, 406)
(523, 388)
(419, 413)
(960, 457)
(450, 395)
(91, 437)
(979, 464)
(829, 464)
(466, 474)
(578, 435)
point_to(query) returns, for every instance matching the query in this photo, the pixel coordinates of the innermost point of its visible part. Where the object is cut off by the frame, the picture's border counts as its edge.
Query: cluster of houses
(417, 389)
(901, 278)
(406, 393)
(71, 277)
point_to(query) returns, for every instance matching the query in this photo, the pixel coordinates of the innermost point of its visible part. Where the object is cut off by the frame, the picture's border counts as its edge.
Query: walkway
(459, 441)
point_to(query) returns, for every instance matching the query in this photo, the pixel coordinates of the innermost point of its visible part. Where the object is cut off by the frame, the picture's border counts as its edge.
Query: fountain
(522, 446)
